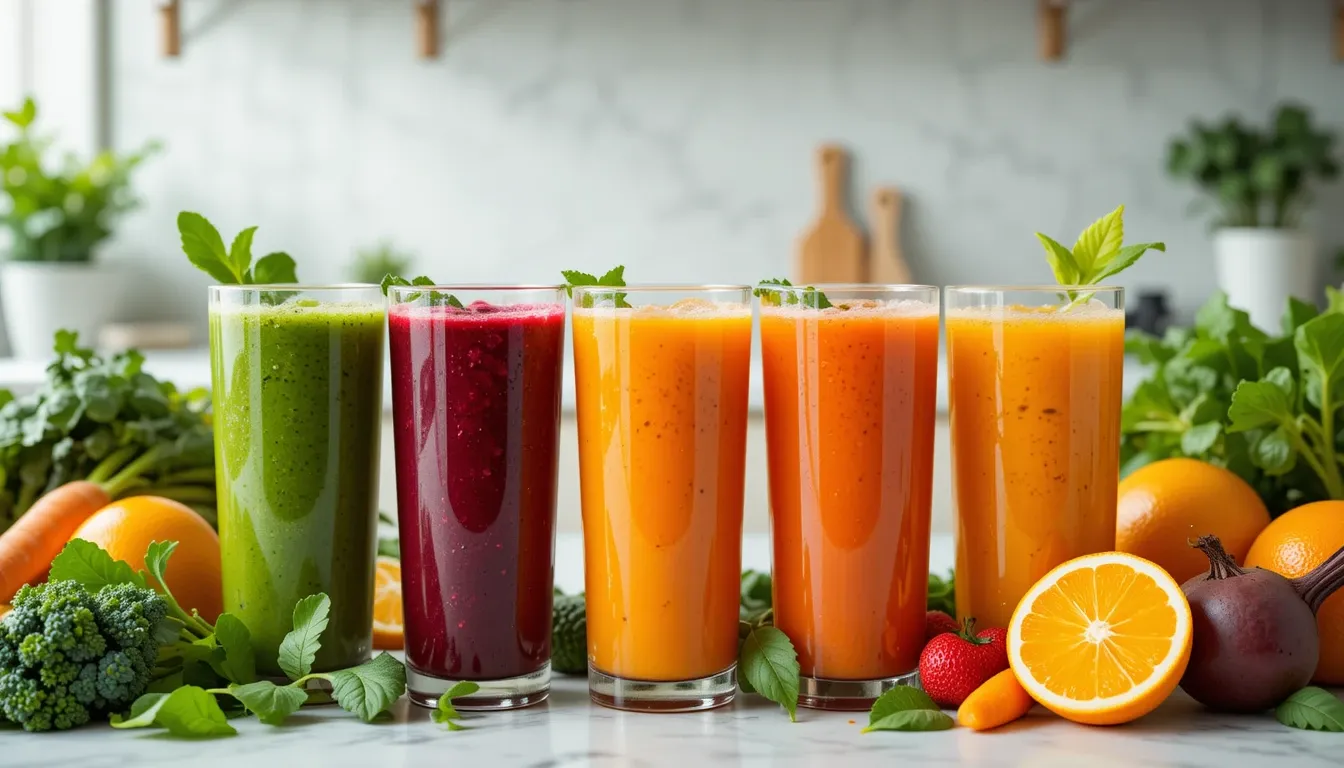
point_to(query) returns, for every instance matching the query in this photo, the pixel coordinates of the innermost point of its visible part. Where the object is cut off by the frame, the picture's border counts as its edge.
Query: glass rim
(876, 287)
(475, 287)
(1038, 288)
(292, 287)
(663, 288)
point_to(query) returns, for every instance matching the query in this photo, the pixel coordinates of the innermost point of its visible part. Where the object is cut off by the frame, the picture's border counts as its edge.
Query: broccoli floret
(67, 655)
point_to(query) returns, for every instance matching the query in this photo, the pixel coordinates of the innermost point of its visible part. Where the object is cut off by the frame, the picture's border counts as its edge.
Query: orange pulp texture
(662, 417)
(850, 403)
(1035, 412)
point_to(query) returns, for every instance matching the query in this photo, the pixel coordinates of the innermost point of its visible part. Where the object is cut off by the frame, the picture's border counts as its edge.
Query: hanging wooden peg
(427, 28)
(1339, 30)
(170, 28)
(1052, 28)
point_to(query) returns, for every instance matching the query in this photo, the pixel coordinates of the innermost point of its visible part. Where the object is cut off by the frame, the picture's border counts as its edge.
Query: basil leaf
(445, 712)
(85, 562)
(271, 703)
(240, 253)
(369, 689)
(1313, 709)
(205, 248)
(770, 665)
(913, 720)
(902, 698)
(300, 646)
(1098, 244)
(275, 268)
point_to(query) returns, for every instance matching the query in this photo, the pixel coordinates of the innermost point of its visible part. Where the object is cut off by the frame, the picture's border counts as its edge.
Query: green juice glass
(297, 377)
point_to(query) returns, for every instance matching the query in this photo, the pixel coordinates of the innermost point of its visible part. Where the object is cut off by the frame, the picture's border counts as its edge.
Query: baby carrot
(999, 701)
(30, 544)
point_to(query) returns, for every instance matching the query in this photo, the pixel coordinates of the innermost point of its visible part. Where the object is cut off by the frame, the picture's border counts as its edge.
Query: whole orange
(125, 529)
(1167, 504)
(1298, 541)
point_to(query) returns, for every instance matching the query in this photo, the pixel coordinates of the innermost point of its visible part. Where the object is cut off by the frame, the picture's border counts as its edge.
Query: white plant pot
(41, 298)
(1259, 269)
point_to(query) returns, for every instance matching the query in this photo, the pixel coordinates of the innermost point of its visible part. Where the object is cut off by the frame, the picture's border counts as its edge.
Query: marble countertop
(568, 730)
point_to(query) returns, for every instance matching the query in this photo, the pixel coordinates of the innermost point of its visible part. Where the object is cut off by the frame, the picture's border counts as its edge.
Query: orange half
(388, 624)
(1102, 639)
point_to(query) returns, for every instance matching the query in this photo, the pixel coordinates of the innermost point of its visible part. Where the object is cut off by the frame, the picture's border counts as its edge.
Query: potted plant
(372, 263)
(1260, 183)
(54, 216)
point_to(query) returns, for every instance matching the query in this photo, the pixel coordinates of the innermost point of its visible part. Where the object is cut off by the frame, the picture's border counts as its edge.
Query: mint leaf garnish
(204, 248)
(808, 297)
(445, 712)
(1098, 254)
(912, 720)
(1312, 709)
(899, 699)
(300, 646)
(769, 664)
(271, 703)
(614, 278)
(369, 689)
(435, 298)
(275, 267)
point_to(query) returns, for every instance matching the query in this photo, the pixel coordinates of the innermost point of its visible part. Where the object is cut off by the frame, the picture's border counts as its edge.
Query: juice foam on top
(304, 309)
(1094, 311)
(479, 311)
(686, 308)
(911, 308)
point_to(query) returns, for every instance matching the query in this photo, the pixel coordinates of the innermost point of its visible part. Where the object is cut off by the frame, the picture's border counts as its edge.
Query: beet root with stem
(1255, 638)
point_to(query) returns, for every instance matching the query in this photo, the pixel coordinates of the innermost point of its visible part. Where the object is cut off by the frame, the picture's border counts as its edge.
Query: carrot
(34, 540)
(998, 701)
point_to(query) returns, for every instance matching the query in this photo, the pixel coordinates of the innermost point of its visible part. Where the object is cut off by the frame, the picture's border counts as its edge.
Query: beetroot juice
(476, 405)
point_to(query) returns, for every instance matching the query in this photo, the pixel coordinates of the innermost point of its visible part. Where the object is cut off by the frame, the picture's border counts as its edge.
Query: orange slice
(1102, 639)
(388, 626)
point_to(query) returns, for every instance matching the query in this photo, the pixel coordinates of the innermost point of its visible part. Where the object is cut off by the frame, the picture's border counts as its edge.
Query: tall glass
(297, 385)
(1034, 375)
(850, 396)
(661, 374)
(476, 411)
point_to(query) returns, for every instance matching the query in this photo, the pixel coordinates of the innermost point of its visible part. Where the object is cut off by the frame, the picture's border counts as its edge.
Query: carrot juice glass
(850, 397)
(661, 375)
(1034, 376)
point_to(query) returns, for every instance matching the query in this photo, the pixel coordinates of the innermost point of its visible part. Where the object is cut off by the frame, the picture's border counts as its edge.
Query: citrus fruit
(1166, 504)
(388, 626)
(3, 610)
(1298, 541)
(125, 528)
(1102, 639)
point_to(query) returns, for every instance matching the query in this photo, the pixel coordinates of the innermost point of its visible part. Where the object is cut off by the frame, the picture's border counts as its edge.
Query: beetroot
(1255, 639)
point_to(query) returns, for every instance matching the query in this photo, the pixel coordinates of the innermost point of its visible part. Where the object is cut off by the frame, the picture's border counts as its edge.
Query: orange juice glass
(1034, 375)
(661, 375)
(850, 397)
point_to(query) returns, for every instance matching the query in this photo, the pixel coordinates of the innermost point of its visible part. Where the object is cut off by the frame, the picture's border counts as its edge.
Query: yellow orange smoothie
(662, 418)
(1035, 410)
(850, 397)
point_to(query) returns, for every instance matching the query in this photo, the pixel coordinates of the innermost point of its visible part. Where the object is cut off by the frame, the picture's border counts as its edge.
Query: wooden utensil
(833, 250)
(886, 263)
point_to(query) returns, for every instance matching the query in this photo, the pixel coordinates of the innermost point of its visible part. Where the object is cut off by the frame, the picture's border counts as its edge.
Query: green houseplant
(1261, 183)
(54, 213)
(373, 263)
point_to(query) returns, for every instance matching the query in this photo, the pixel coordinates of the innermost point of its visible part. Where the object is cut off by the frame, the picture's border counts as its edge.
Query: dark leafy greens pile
(107, 421)
(1265, 407)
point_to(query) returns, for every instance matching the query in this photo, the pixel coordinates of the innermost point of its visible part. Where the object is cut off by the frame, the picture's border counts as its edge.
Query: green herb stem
(132, 472)
(186, 476)
(109, 466)
(187, 494)
(1333, 483)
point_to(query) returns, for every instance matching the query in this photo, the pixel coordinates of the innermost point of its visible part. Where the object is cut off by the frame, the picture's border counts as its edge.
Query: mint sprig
(205, 249)
(1098, 253)
(1312, 709)
(808, 297)
(905, 708)
(449, 299)
(445, 712)
(768, 665)
(613, 278)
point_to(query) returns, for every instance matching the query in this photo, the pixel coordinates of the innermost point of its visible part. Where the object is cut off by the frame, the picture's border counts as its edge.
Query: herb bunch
(232, 266)
(613, 278)
(1099, 253)
(772, 292)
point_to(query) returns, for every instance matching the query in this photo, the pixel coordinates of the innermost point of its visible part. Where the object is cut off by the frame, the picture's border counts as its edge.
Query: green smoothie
(297, 405)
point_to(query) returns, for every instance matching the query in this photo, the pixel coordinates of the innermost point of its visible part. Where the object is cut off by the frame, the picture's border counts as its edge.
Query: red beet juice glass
(476, 376)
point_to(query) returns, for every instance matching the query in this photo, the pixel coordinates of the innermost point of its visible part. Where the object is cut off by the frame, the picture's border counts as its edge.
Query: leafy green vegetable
(756, 595)
(109, 422)
(300, 646)
(1098, 254)
(436, 299)
(769, 664)
(905, 708)
(271, 703)
(369, 689)
(1265, 407)
(445, 712)
(239, 663)
(614, 277)
(943, 593)
(86, 563)
(1313, 709)
(204, 248)
(188, 712)
(775, 296)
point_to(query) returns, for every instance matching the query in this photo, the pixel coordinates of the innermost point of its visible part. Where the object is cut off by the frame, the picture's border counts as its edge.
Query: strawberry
(936, 623)
(955, 664)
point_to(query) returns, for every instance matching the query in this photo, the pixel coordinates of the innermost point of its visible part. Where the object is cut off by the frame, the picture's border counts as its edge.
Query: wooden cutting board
(833, 250)
(886, 263)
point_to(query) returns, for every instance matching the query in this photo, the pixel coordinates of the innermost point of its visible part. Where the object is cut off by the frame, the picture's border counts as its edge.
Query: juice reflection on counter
(662, 418)
(850, 395)
(476, 408)
(1035, 390)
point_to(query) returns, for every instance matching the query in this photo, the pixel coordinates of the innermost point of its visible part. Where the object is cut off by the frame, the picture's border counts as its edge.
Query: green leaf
(573, 278)
(205, 248)
(1334, 298)
(1297, 313)
(275, 269)
(942, 593)
(1124, 259)
(902, 698)
(240, 663)
(142, 711)
(1198, 439)
(1258, 404)
(369, 689)
(188, 712)
(1320, 352)
(445, 712)
(156, 558)
(271, 703)
(1099, 242)
(1313, 709)
(913, 720)
(770, 665)
(240, 253)
(756, 592)
(1274, 452)
(86, 562)
(300, 646)
(1061, 261)
(25, 115)
(390, 280)
(614, 277)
